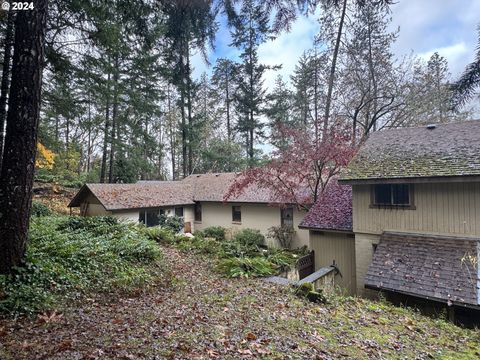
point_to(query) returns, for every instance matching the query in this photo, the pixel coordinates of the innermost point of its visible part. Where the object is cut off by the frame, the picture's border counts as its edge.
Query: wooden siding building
(421, 184)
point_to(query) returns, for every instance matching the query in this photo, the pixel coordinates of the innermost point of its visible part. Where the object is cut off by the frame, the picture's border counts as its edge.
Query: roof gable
(446, 150)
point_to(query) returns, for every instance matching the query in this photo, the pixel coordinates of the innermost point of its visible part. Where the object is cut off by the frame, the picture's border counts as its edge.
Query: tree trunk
(182, 110)
(227, 95)
(315, 91)
(103, 169)
(89, 144)
(6, 78)
(189, 109)
(373, 77)
(114, 121)
(251, 100)
(16, 181)
(171, 133)
(331, 78)
(67, 135)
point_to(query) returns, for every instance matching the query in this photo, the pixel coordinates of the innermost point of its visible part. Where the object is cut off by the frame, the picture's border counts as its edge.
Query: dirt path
(201, 315)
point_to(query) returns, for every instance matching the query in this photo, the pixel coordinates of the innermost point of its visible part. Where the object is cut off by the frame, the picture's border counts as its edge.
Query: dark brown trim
(411, 197)
(417, 180)
(377, 288)
(325, 230)
(77, 195)
(150, 207)
(81, 193)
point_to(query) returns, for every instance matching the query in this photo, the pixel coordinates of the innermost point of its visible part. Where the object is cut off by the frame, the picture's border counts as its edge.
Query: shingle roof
(140, 195)
(147, 194)
(333, 210)
(447, 150)
(214, 186)
(434, 267)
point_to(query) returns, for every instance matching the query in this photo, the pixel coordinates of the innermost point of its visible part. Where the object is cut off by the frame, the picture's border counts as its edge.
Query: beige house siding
(93, 207)
(127, 215)
(189, 216)
(440, 208)
(338, 247)
(364, 244)
(254, 216)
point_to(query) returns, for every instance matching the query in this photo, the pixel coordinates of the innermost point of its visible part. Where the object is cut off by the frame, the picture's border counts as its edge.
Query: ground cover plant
(244, 255)
(201, 314)
(71, 257)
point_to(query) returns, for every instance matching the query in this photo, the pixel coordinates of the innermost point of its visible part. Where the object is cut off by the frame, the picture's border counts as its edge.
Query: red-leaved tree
(300, 169)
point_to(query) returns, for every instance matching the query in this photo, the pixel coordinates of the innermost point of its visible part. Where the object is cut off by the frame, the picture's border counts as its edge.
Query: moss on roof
(447, 150)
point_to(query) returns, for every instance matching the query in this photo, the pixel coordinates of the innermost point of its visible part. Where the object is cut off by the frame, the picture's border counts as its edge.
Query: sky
(426, 26)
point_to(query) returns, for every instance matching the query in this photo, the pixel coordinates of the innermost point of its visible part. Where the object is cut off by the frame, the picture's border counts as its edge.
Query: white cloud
(455, 54)
(286, 49)
(446, 26)
(283, 50)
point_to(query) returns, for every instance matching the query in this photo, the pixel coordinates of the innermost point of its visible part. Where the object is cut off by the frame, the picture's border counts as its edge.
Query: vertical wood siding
(338, 247)
(441, 208)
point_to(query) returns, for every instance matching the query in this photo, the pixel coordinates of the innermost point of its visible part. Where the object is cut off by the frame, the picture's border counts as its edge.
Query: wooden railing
(306, 265)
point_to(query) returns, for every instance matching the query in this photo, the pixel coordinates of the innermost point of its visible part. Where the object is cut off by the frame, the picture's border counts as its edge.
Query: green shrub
(173, 223)
(249, 237)
(158, 234)
(246, 267)
(216, 232)
(209, 246)
(39, 209)
(281, 258)
(69, 257)
(100, 224)
(236, 249)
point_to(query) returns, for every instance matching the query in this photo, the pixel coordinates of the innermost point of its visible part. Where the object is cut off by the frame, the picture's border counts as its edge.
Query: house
(415, 225)
(198, 198)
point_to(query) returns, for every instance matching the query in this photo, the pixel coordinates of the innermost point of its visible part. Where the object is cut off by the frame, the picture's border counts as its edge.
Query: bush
(158, 234)
(236, 249)
(173, 223)
(246, 267)
(281, 258)
(39, 209)
(283, 235)
(250, 237)
(69, 257)
(216, 232)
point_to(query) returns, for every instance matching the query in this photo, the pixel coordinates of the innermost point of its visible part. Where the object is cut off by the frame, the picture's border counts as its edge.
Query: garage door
(338, 248)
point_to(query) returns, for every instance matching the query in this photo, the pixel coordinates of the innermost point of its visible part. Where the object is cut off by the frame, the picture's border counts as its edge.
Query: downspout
(478, 273)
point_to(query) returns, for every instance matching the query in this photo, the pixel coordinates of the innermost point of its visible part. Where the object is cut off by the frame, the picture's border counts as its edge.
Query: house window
(198, 212)
(236, 214)
(179, 211)
(286, 216)
(392, 195)
(150, 217)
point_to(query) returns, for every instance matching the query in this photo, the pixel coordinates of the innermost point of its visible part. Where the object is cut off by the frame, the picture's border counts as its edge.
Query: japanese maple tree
(301, 168)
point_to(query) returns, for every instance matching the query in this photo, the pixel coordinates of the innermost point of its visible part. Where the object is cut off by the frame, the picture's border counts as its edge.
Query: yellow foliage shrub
(45, 158)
